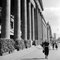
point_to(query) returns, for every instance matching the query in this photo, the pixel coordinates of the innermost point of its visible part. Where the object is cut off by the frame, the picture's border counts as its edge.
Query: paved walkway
(33, 53)
(18, 54)
(38, 55)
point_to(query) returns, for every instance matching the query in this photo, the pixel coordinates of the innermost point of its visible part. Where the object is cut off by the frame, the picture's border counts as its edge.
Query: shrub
(6, 45)
(27, 43)
(19, 44)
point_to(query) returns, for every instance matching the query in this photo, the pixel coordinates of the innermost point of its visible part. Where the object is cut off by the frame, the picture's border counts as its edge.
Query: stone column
(25, 19)
(33, 24)
(39, 28)
(30, 23)
(17, 21)
(30, 18)
(36, 24)
(5, 31)
(42, 27)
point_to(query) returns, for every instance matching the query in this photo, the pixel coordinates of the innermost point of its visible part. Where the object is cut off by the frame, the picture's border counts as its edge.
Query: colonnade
(26, 20)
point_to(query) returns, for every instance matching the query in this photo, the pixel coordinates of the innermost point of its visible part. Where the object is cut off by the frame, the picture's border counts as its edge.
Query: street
(38, 55)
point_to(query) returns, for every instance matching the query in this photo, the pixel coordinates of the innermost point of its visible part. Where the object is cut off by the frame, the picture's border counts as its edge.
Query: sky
(52, 15)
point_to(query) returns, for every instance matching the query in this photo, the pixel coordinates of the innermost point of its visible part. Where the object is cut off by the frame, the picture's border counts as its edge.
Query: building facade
(23, 19)
(44, 29)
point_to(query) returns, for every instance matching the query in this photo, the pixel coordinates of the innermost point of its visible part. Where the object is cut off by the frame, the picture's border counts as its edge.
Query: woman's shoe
(46, 57)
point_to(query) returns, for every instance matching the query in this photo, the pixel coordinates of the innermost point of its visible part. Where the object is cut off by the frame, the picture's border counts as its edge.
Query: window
(11, 25)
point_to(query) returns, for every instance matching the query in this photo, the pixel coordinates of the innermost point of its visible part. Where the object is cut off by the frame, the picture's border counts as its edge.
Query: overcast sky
(52, 14)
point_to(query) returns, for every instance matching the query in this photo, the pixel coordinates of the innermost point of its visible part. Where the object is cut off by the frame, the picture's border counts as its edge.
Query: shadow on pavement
(33, 59)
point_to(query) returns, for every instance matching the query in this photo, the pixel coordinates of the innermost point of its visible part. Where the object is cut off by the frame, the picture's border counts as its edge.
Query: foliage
(19, 44)
(6, 45)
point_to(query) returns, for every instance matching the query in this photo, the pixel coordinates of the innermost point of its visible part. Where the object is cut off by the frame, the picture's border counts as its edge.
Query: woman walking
(45, 48)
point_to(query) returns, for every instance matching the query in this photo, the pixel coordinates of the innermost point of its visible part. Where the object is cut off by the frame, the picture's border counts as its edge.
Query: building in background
(49, 32)
(55, 36)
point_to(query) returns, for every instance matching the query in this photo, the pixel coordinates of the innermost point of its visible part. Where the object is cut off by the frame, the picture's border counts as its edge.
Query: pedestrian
(56, 46)
(34, 43)
(45, 48)
(53, 45)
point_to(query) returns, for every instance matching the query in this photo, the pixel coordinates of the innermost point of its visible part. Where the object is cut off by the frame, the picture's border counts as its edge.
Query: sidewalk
(19, 54)
(37, 54)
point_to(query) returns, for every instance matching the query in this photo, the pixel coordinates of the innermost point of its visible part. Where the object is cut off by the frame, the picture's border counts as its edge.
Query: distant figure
(53, 44)
(34, 43)
(56, 46)
(45, 48)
